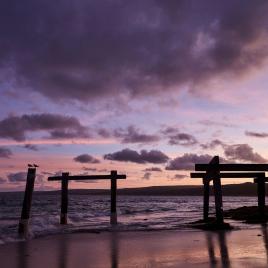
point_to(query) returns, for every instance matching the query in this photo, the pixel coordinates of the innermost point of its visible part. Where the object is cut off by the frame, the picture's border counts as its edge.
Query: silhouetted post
(206, 199)
(64, 198)
(217, 188)
(261, 195)
(113, 217)
(27, 202)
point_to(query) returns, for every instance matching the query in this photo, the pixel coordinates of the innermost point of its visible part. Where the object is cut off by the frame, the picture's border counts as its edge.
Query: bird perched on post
(29, 165)
(35, 165)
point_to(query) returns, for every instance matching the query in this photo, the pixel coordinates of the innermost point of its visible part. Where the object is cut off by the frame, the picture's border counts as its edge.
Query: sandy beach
(239, 248)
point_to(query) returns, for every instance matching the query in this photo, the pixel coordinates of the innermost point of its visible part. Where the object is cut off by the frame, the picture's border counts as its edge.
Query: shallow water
(92, 213)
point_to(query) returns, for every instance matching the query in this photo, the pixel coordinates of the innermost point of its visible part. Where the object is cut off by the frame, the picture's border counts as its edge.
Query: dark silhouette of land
(242, 189)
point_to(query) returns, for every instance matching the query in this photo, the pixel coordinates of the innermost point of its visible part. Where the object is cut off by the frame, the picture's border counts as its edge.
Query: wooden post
(206, 199)
(261, 195)
(64, 198)
(27, 202)
(113, 217)
(217, 188)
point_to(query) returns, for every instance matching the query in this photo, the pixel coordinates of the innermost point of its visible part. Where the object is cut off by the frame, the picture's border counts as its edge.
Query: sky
(147, 88)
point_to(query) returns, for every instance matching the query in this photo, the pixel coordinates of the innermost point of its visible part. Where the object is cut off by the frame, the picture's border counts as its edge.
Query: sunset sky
(144, 87)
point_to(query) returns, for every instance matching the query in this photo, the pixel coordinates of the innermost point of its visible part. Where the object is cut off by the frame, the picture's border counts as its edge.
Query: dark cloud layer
(81, 50)
(128, 155)
(86, 158)
(58, 126)
(5, 152)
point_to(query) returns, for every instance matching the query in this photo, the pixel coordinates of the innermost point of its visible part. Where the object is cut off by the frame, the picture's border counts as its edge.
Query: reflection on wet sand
(114, 250)
(211, 245)
(265, 238)
(22, 261)
(245, 248)
(63, 252)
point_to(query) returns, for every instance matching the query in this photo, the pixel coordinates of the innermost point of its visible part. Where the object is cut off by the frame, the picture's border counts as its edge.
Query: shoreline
(167, 248)
(121, 228)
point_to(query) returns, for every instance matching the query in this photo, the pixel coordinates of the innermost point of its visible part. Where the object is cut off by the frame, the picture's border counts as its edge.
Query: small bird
(29, 165)
(35, 165)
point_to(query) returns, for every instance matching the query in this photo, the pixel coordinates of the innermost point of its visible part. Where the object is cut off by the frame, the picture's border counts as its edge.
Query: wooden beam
(229, 175)
(87, 177)
(27, 202)
(233, 167)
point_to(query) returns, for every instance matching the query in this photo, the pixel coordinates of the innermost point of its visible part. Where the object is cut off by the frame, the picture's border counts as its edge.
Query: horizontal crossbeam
(230, 175)
(87, 177)
(232, 167)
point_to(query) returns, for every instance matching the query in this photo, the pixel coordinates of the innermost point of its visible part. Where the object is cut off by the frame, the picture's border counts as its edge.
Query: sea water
(92, 213)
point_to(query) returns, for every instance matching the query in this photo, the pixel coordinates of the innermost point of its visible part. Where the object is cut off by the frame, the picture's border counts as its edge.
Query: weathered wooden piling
(65, 178)
(64, 198)
(206, 199)
(113, 216)
(215, 172)
(261, 195)
(27, 202)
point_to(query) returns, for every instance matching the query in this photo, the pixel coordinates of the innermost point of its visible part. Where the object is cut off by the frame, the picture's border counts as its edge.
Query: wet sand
(185, 248)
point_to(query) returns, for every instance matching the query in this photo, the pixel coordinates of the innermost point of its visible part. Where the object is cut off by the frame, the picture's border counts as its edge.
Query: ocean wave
(91, 213)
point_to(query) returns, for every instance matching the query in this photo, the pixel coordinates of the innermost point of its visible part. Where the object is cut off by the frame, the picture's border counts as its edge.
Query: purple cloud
(17, 177)
(243, 152)
(86, 158)
(89, 169)
(183, 139)
(5, 152)
(256, 134)
(59, 126)
(219, 123)
(146, 176)
(175, 137)
(154, 169)
(134, 135)
(187, 161)
(141, 48)
(178, 177)
(213, 144)
(31, 147)
(128, 155)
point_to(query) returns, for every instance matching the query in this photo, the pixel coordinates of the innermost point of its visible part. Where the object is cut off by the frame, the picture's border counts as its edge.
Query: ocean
(92, 213)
